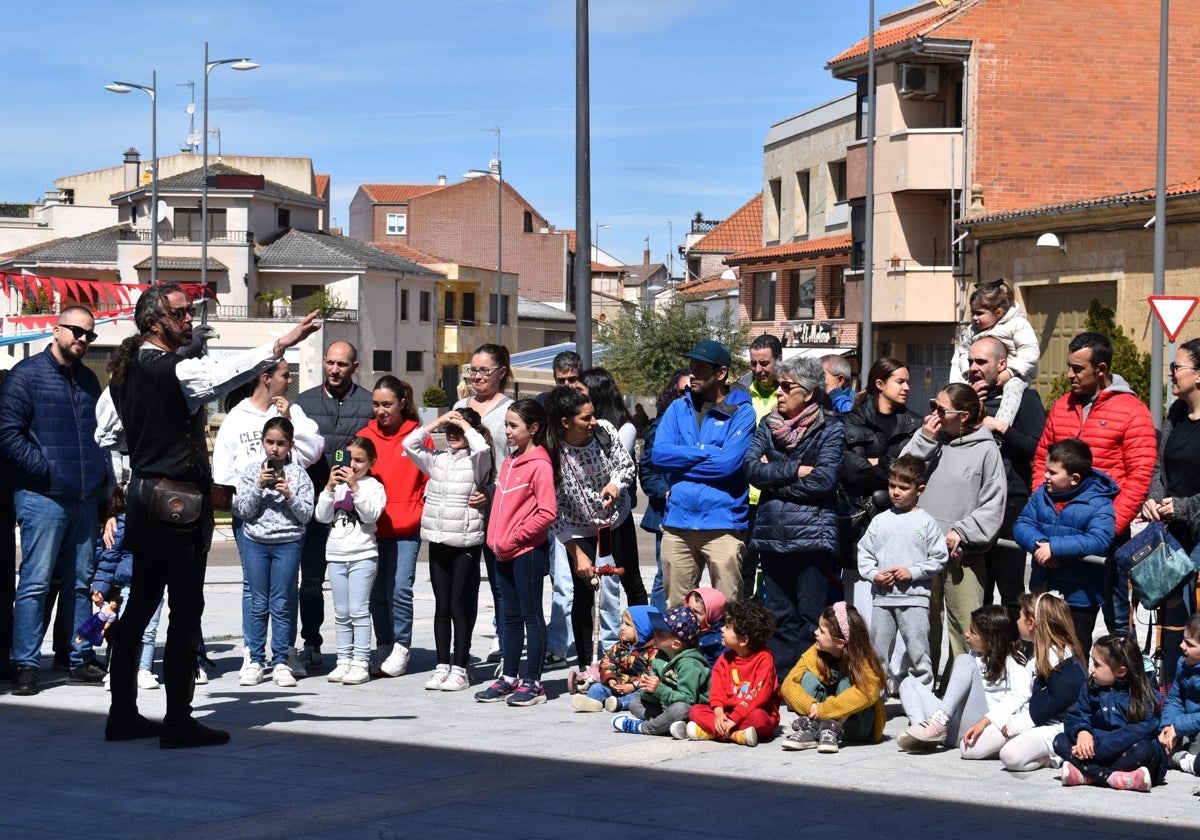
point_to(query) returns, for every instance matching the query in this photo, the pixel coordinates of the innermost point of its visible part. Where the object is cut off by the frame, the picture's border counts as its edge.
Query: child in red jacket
(743, 704)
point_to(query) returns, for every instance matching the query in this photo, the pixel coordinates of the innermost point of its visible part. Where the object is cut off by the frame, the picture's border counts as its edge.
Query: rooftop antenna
(193, 137)
(215, 131)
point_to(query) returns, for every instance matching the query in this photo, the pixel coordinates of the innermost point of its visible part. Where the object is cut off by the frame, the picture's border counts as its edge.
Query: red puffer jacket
(1121, 435)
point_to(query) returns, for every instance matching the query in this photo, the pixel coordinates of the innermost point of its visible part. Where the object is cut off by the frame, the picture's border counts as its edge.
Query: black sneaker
(61, 663)
(191, 734)
(496, 692)
(25, 684)
(86, 674)
(131, 727)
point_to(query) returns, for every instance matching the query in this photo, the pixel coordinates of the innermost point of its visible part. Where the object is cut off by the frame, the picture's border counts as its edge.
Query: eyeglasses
(566, 380)
(787, 387)
(1171, 367)
(477, 371)
(943, 412)
(78, 332)
(181, 315)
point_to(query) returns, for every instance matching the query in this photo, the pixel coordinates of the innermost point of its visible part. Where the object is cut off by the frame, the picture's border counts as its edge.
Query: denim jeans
(271, 569)
(520, 581)
(239, 539)
(351, 585)
(392, 594)
(312, 578)
(601, 692)
(558, 629)
(56, 541)
(658, 597)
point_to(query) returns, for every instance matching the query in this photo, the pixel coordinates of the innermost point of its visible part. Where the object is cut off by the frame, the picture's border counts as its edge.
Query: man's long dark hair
(148, 312)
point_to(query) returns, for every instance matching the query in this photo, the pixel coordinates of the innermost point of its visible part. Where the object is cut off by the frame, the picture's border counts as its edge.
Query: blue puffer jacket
(48, 428)
(654, 483)
(797, 514)
(1103, 711)
(114, 566)
(703, 466)
(1183, 702)
(1085, 525)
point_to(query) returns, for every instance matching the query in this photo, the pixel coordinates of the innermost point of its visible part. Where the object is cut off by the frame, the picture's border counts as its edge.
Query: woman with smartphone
(594, 473)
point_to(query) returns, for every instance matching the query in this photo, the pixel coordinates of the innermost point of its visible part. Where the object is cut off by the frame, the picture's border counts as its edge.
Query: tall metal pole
(867, 349)
(204, 198)
(152, 92)
(583, 190)
(1160, 220)
(499, 243)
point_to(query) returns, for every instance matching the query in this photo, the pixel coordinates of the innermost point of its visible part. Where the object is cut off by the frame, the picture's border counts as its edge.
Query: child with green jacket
(679, 677)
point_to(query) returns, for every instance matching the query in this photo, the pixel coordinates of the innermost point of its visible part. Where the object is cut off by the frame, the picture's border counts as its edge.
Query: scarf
(789, 433)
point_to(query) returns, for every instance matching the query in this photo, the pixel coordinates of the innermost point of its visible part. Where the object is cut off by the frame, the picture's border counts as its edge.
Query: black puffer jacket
(865, 439)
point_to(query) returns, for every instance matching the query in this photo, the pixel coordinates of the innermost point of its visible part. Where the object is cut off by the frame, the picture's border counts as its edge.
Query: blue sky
(682, 94)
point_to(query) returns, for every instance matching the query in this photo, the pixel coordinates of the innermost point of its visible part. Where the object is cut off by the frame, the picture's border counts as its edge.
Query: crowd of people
(847, 539)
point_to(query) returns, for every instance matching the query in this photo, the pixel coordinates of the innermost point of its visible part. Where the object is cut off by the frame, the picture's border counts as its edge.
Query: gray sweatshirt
(271, 519)
(965, 490)
(911, 540)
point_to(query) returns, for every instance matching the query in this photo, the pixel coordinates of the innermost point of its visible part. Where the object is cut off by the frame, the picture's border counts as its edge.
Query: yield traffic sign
(1172, 311)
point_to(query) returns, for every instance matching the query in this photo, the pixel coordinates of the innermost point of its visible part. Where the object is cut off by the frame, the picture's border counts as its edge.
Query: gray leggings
(964, 700)
(657, 718)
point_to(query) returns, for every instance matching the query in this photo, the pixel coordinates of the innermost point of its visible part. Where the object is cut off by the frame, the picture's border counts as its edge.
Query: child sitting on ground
(678, 679)
(1181, 717)
(709, 606)
(622, 664)
(900, 553)
(1068, 518)
(743, 705)
(837, 686)
(1109, 737)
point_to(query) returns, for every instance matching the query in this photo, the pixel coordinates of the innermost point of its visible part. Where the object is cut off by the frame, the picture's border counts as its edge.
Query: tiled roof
(408, 253)
(395, 193)
(528, 309)
(194, 178)
(570, 240)
(841, 242)
(91, 248)
(1137, 197)
(898, 34)
(304, 249)
(707, 286)
(741, 231)
(321, 184)
(181, 264)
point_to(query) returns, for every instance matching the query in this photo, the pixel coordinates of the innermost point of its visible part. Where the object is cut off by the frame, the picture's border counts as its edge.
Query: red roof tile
(408, 253)
(741, 231)
(841, 242)
(898, 34)
(706, 286)
(394, 193)
(1138, 196)
(570, 234)
(321, 183)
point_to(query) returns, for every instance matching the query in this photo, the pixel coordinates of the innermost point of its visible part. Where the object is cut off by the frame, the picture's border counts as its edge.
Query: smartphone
(341, 458)
(604, 541)
(276, 465)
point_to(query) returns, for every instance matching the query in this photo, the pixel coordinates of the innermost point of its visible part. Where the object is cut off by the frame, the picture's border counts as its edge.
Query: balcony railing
(221, 237)
(458, 322)
(278, 312)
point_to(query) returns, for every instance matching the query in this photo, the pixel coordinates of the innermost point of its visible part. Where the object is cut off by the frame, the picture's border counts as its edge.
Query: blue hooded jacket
(1183, 702)
(709, 490)
(1086, 525)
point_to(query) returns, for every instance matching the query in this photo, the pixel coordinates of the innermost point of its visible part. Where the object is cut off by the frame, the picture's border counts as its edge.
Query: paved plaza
(391, 760)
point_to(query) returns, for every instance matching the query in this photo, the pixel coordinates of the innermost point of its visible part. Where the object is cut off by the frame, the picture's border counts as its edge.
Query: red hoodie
(403, 483)
(524, 505)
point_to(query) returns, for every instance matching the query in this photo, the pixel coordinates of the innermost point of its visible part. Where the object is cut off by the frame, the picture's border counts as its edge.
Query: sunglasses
(566, 380)
(181, 315)
(78, 332)
(943, 412)
(787, 387)
(1174, 368)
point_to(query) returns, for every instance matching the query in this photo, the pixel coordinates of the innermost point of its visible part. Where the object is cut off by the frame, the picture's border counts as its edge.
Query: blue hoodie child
(623, 663)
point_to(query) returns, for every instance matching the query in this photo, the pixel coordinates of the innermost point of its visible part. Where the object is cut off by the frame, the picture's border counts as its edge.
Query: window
(426, 313)
(283, 218)
(492, 309)
(448, 307)
(858, 233)
(772, 209)
(837, 180)
(397, 224)
(412, 361)
(404, 304)
(764, 296)
(187, 224)
(381, 360)
(528, 222)
(467, 315)
(301, 293)
(800, 206)
(552, 337)
(837, 292)
(802, 287)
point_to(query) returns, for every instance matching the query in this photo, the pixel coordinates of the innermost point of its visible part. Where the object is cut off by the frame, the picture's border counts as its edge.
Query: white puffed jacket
(454, 475)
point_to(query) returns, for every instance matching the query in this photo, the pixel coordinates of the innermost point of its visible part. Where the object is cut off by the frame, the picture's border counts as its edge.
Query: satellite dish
(190, 109)
(193, 139)
(164, 211)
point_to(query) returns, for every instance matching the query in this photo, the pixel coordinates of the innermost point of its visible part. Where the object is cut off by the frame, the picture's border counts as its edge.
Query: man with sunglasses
(47, 432)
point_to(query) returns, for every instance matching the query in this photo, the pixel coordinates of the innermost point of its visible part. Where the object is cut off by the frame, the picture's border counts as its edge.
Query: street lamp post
(235, 64)
(152, 92)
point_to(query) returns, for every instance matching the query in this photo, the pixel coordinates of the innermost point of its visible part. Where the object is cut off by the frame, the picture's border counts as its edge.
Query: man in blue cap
(701, 441)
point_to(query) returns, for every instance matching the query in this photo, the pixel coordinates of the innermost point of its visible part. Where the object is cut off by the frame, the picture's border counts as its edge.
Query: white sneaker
(251, 674)
(339, 671)
(311, 657)
(356, 674)
(437, 678)
(147, 681)
(377, 658)
(396, 662)
(108, 683)
(283, 676)
(296, 664)
(201, 675)
(456, 680)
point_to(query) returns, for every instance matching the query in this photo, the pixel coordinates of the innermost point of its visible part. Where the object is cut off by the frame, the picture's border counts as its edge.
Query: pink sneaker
(1072, 775)
(1138, 779)
(922, 736)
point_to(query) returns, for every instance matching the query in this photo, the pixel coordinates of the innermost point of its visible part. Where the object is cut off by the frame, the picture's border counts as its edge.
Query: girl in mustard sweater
(837, 686)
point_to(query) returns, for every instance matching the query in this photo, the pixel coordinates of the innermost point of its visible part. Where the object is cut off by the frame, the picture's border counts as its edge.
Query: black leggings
(454, 575)
(631, 581)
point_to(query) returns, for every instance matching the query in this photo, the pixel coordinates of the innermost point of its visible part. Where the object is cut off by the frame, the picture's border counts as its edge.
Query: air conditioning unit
(918, 79)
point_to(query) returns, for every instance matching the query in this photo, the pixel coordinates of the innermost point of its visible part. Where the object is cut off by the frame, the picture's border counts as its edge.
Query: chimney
(646, 257)
(132, 159)
(441, 180)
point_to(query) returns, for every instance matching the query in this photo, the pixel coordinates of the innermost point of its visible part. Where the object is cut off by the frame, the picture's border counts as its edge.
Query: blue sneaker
(627, 723)
(496, 692)
(527, 694)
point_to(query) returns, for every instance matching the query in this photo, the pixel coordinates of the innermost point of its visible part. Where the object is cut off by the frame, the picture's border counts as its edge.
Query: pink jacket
(524, 505)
